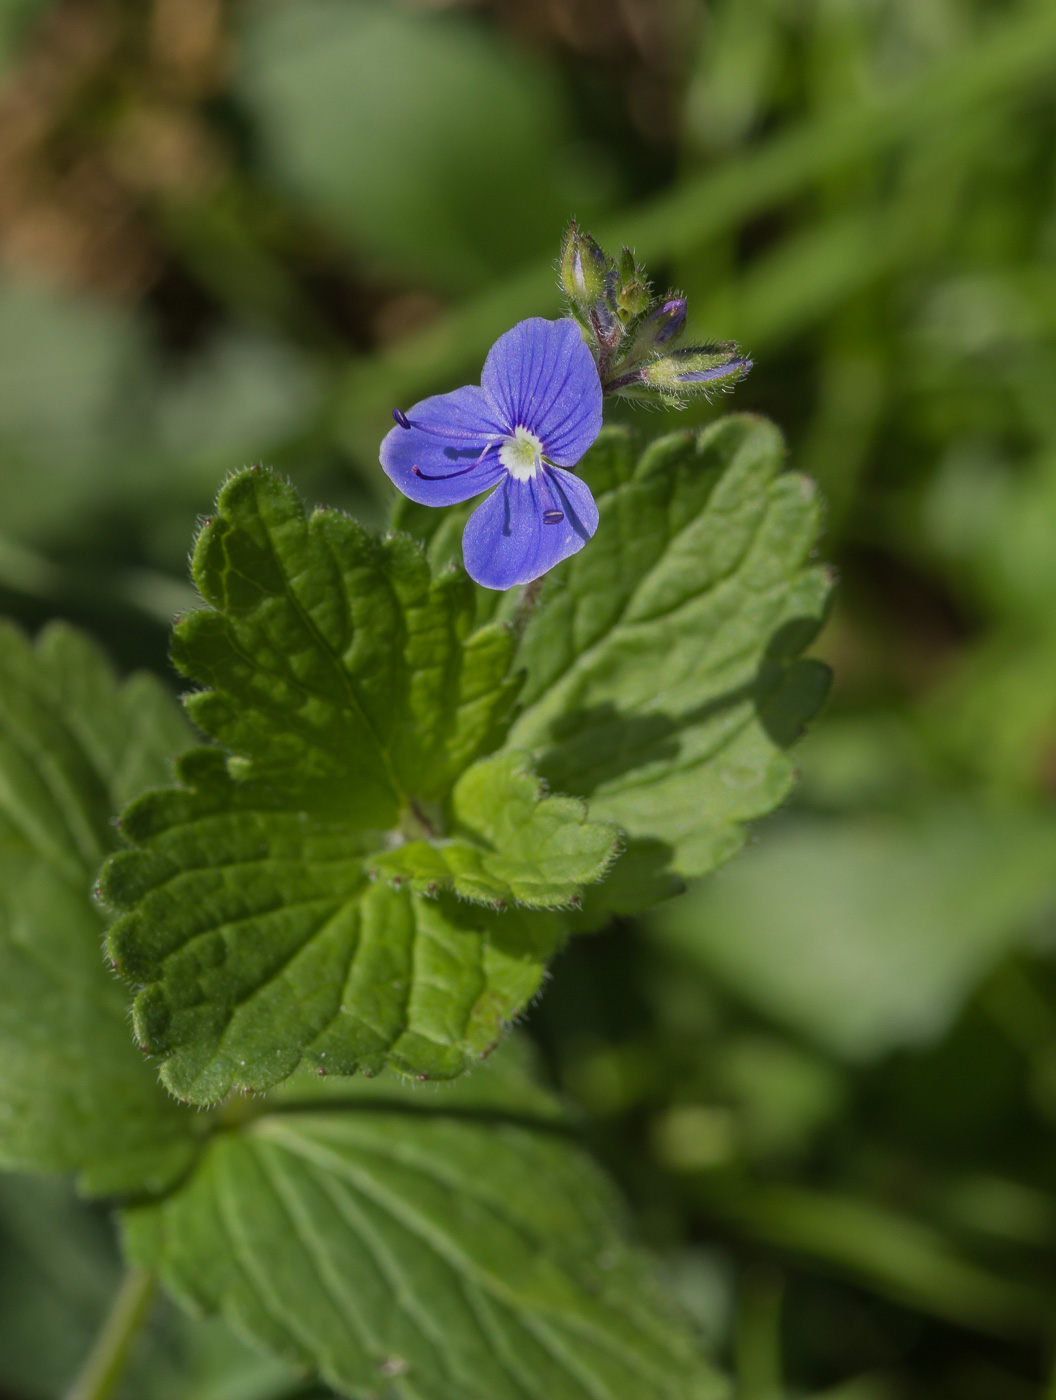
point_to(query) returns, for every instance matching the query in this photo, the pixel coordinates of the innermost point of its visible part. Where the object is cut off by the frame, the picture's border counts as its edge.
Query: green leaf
(353, 691)
(443, 1244)
(662, 674)
(339, 668)
(695, 592)
(260, 942)
(524, 847)
(75, 1093)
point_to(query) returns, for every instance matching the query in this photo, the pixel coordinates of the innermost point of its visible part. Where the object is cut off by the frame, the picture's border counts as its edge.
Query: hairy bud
(698, 368)
(664, 324)
(583, 269)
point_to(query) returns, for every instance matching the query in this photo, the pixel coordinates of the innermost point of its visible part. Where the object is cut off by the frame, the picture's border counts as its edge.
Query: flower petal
(541, 376)
(507, 541)
(467, 420)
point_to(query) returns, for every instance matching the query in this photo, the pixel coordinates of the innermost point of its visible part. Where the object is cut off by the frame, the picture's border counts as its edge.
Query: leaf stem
(109, 1356)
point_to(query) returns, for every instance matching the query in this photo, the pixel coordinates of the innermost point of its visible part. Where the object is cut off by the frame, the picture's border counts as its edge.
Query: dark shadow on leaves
(596, 745)
(640, 879)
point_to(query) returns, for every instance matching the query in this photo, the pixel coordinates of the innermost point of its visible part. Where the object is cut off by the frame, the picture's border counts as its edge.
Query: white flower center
(522, 454)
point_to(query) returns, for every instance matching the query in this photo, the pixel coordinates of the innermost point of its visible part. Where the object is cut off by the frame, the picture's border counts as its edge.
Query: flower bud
(632, 293)
(674, 375)
(633, 298)
(663, 325)
(680, 371)
(602, 318)
(583, 269)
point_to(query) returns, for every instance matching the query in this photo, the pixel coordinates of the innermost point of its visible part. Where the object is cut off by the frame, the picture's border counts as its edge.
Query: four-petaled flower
(535, 413)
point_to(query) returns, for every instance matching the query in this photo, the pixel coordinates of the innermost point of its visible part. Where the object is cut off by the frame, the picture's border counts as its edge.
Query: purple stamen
(447, 476)
(444, 476)
(457, 436)
(555, 516)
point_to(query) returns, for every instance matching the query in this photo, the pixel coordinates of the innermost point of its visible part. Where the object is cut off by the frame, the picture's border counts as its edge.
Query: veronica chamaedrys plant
(536, 412)
(417, 789)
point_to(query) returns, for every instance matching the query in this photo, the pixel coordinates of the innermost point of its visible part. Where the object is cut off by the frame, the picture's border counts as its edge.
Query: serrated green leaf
(338, 667)
(519, 846)
(662, 674)
(75, 1094)
(260, 942)
(427, 1244)
(710, 512)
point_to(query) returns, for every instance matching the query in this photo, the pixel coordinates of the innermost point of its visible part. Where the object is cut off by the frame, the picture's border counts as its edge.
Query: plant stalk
(526, 606)
(106, 1362)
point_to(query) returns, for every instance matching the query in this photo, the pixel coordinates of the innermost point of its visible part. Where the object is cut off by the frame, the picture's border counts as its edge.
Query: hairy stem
(422, 819)
(106, 1362)
(526, 606)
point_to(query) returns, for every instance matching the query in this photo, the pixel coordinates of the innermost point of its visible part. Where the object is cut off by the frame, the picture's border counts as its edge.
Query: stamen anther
(402, 419)
(553, 517)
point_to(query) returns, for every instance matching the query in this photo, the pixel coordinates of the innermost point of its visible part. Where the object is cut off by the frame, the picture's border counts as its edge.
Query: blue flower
(537, 410)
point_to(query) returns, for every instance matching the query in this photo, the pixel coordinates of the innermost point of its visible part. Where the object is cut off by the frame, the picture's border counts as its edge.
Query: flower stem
(526, 606)
(421, 818)
(109, 1356)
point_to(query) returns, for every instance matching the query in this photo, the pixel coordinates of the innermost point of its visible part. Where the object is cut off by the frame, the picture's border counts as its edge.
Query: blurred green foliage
(467, 168)
(234, 232)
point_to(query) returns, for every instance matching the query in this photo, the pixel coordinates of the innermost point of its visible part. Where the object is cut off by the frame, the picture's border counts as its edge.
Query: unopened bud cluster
(634, 335)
